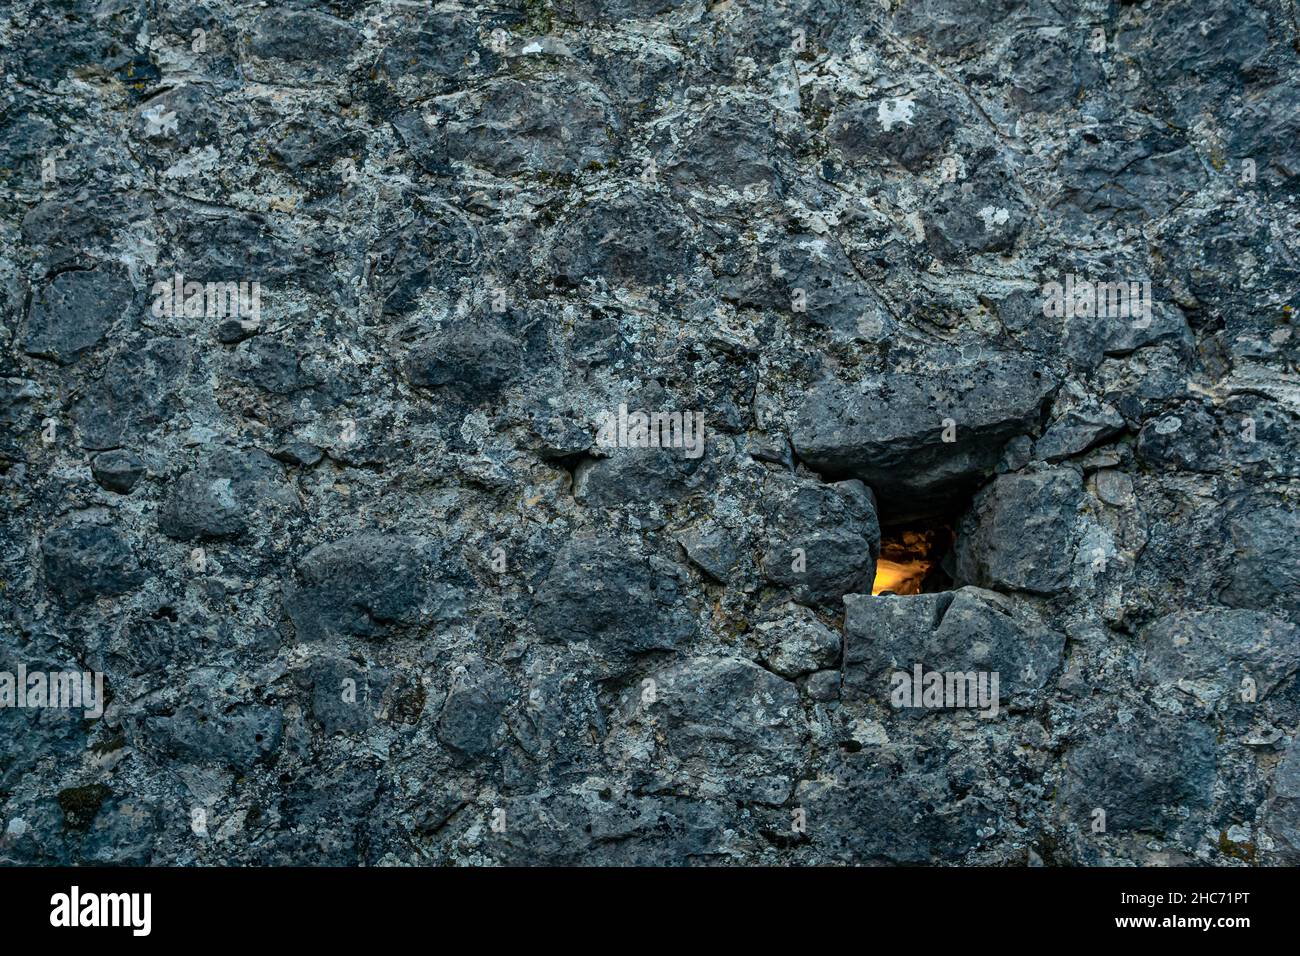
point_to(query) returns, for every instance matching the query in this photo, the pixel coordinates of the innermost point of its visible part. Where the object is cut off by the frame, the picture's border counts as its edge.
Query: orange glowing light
(899, 577)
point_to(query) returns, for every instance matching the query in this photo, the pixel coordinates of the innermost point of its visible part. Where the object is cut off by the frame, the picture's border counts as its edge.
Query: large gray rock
(553, 126)
(795, 642)
(426, 56)
(1219, 654)
(118, 470)
(640, 476)
(1263, 554)
(1187, 440)
(915, 801)
(368, 585)
(212, 727)
(733, 145)
(74, 312)
(1282, 819)
(968, 630)
(983, 215)
(633, 238)
(910, 130)
(470, 720)
(345, 697)
(1143, 770)
(622, 603)
(475, 361)
(306, 40)
(83, 562)
(713, 727)
(228, 491)
(824, 541)
(890, 429)
(1077, 430)
(1021, 533)
(136, 392)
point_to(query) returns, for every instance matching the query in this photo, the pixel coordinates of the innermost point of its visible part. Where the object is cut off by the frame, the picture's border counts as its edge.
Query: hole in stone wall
(916, 557)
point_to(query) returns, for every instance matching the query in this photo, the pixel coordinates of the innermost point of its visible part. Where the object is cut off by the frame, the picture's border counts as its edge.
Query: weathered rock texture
(366, 588)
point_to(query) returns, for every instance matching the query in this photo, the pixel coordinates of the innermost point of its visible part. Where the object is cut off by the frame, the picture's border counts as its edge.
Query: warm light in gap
(899, 577)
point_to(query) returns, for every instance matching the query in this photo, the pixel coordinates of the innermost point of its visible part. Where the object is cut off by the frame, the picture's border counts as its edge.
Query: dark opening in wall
(916, 557)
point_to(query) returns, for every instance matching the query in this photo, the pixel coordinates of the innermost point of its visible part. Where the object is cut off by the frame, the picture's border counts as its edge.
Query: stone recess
(369, 586)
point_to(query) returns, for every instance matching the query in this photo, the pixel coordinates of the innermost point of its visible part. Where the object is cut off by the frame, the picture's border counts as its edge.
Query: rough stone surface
(969, 630)
(1144, 771)
(367, 588)
(1283, 813)
(1021, 533)
(890, 430)
(1209, 655)
(795, 642)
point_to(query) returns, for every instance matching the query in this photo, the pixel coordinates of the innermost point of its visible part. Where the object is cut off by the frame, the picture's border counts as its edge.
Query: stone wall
(329, 328)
